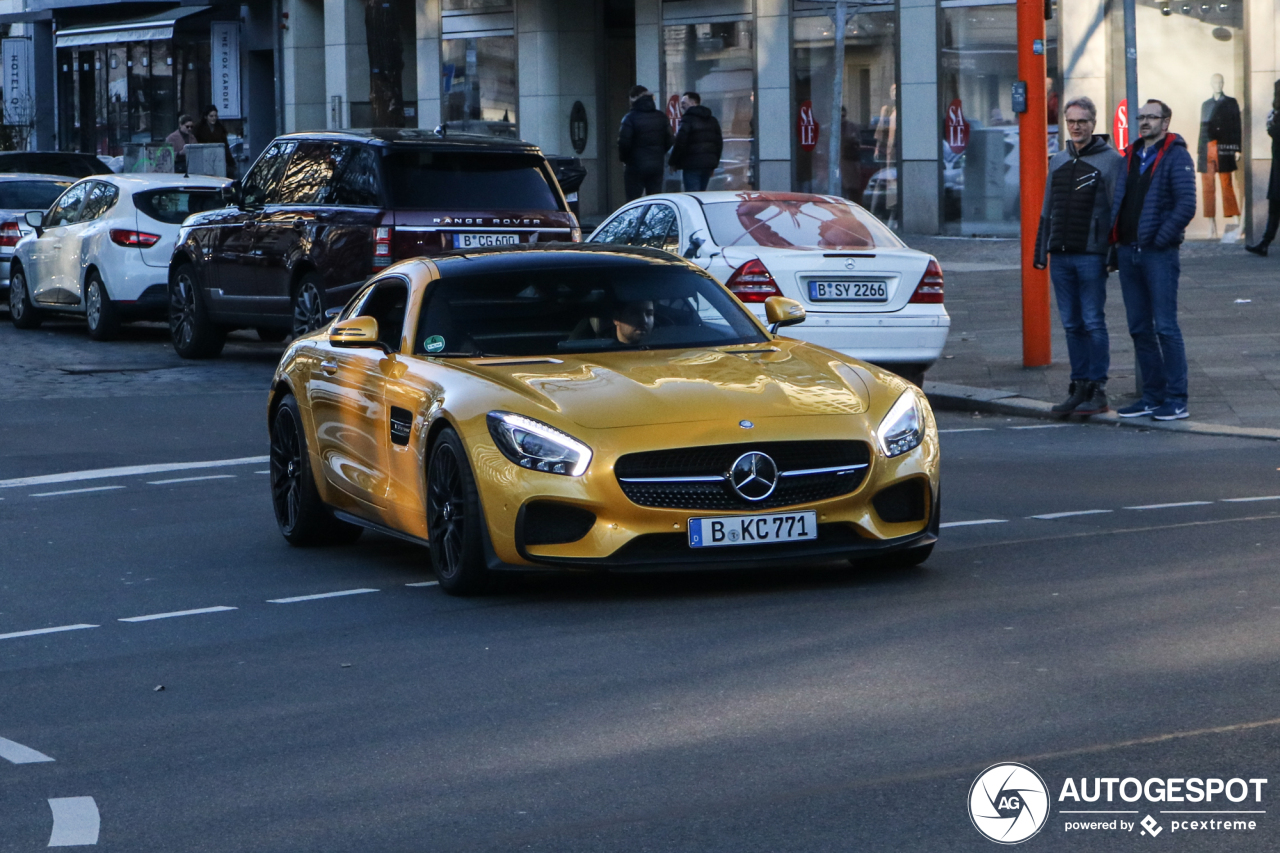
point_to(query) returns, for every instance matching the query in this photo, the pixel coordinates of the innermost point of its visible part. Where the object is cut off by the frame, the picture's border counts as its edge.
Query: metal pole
(1131, 110)
(1033, 168)
(837, 101)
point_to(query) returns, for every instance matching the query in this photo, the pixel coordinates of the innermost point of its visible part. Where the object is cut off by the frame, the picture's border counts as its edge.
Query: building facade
(924, 133)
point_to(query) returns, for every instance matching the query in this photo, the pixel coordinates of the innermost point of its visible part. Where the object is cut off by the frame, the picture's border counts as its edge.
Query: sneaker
(1077, 394)
(1136, 410)
(1096, 402)
(1257, 249)
(1170, 411)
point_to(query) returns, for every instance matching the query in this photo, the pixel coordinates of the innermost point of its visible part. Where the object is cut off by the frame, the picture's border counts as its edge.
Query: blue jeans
(1149, 284)
(696, 180)
(1080, 283)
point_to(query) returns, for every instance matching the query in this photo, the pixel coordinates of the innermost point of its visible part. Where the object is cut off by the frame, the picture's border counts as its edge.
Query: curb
(964, 398)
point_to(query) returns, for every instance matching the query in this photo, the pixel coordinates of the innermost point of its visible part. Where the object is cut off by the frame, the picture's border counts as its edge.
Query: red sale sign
(1120, 126)
(673, 113)
(807, 126)
(956, 128)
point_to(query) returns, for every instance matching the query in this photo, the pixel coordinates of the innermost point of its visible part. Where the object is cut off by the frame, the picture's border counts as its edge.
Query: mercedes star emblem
(754, 476)
(850, 264)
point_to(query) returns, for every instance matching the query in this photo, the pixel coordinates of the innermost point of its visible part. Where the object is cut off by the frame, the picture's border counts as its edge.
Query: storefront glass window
(718, 62)
(979, 68)
(868, 166)
(478, 82)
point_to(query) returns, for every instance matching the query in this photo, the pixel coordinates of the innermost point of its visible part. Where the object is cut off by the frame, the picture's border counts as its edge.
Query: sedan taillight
(133, 239)
(10, 234)
(382, 246)
(752, 282)
(929, 290)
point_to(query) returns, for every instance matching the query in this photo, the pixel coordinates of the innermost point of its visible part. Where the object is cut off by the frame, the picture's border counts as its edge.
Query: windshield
(794, 222)
(173, 206)
(30, 195)
(453, 180)
(579, 309)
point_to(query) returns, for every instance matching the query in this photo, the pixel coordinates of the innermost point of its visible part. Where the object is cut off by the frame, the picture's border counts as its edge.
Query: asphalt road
(825, 709)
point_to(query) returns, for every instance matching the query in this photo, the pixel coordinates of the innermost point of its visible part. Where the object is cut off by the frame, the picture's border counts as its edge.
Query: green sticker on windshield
(435, 343)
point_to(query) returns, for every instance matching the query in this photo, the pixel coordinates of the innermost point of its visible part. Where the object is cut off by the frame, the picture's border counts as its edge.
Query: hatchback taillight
(752, 282)
(929, 290)
(382, 246)
(133, 239)
(10, 234)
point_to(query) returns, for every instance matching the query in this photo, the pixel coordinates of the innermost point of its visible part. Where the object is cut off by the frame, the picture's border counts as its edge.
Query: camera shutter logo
(1008, 803)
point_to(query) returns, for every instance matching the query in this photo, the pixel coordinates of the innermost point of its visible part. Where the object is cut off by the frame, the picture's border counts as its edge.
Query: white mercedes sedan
(102, 249)
(866, 293)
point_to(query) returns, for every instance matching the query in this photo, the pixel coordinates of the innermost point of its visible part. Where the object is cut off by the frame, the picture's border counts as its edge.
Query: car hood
(608, 390)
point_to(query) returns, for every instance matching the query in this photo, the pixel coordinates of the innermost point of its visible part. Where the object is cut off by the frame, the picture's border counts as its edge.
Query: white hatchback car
(102, 249)
(865, 292)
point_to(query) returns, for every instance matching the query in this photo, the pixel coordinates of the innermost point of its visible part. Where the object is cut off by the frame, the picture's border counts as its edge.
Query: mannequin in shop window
(1219, 146)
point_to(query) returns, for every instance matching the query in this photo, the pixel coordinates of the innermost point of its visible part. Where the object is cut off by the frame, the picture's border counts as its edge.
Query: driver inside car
(633, 321)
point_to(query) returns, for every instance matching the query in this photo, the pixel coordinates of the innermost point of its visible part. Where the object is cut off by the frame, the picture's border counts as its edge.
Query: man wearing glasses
(1155, 201)
(1074, 227)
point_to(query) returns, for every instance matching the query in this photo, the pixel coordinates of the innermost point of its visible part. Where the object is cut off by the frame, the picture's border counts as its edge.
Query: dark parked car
(70, 163)
(318, 213)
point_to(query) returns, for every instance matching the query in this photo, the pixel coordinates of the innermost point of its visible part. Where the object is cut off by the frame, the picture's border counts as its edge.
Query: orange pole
(1033, 164)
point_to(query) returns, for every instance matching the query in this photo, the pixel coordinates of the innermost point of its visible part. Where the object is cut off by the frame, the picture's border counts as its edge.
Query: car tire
(271, 336)
(303, 517)
(194, 335)
(22, 313)
(101, 314)
(308, 305)
(454, 517)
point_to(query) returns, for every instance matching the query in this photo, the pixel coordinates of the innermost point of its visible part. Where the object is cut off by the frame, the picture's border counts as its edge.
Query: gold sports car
(584, 407)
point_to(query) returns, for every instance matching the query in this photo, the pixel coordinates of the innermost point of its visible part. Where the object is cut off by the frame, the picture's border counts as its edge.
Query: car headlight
(902, 428)
(534, 445)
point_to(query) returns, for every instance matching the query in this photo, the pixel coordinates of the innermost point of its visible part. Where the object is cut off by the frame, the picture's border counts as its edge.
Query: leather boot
(1077, 394)
(1096, 402)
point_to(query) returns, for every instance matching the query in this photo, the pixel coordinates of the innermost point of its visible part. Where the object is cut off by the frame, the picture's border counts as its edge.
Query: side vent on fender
(401, 425)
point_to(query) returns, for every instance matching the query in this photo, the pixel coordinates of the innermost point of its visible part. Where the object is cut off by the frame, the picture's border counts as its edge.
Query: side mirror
(35, 218)
(356, 332)
(233, 195)
(781, 311)
(695, 245)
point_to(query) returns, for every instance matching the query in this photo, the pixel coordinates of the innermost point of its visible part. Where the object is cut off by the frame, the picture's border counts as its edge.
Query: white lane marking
(318, 596)
(1171, 506)
(1043, 426)
(976, 521)
(148, 618)
(75, 822)
(969, 429)
(1049, 516)
(37, 631)
(1248, 500)
(262, 472)
(191, 479)
(75, 491)
(424, 583)
(128, 471)
(16, 753)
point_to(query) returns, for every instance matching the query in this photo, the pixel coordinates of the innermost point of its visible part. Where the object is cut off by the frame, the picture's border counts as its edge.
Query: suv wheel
(23, 314)
(194, 336)
(100, 312)
(308, 306)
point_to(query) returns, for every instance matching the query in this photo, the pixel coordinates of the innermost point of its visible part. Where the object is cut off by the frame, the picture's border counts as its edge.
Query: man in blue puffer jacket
(1154, 202)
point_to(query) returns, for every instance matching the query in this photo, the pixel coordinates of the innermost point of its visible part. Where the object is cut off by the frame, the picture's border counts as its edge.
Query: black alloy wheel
(454, 519)
(23, 314)
(193, 334)
(308, 306)
(100, 312)
(300, 513)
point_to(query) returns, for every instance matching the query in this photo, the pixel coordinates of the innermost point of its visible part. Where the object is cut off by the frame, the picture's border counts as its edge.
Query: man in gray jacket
(1075, 226)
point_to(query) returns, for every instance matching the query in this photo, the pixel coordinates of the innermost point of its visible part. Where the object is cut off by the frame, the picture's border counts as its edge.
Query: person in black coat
(643, 142)
(698, 143)
(1273, 185)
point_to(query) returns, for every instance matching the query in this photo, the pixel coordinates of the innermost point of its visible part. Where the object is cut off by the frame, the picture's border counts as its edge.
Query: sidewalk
(1229, 309)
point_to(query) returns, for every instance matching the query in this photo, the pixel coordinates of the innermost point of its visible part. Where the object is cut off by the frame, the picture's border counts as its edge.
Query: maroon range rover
(318, 213)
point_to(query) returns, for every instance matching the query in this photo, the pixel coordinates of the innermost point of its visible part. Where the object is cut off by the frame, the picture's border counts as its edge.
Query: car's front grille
(697, 477)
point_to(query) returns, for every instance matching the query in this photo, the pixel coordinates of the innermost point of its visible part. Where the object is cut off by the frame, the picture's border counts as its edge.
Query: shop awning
(149, 28)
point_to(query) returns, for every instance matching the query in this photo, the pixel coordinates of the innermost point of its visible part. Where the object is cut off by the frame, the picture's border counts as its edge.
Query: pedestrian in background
(1074, 227)
(212, 131)
(1155, 201)
(1273, 185)
(180, 139)
(643, 142)
(698, 144)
